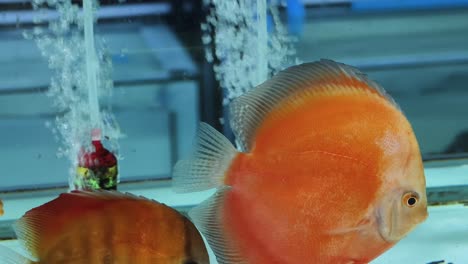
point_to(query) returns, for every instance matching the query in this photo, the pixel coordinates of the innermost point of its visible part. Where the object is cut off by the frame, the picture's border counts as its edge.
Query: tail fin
(213, 156)
(9, 256)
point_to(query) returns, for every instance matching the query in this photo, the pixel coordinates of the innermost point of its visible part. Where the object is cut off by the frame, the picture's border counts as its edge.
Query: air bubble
(234, 25)
(62, 45)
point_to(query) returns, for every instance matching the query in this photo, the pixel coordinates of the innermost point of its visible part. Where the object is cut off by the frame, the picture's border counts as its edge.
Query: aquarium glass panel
(150, 83)
(96, 88)
(417, 50)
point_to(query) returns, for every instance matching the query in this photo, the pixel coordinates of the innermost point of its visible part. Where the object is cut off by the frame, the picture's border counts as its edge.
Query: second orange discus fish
(330, 171)
(107, 227)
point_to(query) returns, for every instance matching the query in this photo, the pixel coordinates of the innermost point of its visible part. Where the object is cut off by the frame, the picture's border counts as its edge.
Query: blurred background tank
(161, 60)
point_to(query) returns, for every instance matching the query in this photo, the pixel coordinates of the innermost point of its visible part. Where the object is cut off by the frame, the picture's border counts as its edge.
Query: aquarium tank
(138, 77)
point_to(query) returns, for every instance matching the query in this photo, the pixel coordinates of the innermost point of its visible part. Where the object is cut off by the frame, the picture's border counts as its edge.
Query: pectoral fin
(362, 225)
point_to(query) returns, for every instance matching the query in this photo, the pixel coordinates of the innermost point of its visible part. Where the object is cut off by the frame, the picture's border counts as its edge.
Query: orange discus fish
(1, 208)
(330, 171)
(107, 227)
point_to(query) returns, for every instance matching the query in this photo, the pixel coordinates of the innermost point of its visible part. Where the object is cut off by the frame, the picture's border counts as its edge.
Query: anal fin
(209, 220)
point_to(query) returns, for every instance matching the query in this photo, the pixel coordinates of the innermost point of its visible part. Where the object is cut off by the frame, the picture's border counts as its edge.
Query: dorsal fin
(43, 222)
(207, 167)
(325, 76)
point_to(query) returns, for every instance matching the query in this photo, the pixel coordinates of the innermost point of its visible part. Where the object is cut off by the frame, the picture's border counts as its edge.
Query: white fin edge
(208, 219)
(9, 256)
(206, 170)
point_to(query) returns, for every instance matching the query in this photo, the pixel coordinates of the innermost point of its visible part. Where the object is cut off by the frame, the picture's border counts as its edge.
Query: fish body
(1, 208)
(109, 227)
(331, 171)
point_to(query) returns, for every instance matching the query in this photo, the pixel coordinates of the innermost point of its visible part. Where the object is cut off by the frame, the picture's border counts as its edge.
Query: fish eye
(410, 199)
